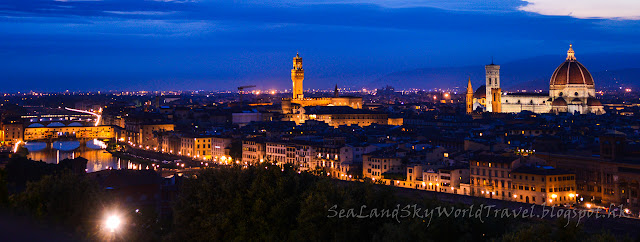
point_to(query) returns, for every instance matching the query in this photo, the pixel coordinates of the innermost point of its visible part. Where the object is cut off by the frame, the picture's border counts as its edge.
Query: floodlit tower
(496, 101)
(492, 82)
(297, 76)
(469, 97)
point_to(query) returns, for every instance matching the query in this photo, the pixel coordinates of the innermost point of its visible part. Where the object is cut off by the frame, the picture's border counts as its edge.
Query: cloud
(77, 0)
(611, 9)
(176, 1)
(466, 5)
(140, 12)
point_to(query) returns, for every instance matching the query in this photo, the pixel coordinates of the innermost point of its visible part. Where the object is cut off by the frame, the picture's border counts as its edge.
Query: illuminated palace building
(571, 89)
(298, 100)
(335, 111)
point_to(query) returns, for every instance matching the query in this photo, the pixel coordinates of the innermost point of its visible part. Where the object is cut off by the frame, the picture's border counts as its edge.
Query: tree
(64, 198)
(4, 189)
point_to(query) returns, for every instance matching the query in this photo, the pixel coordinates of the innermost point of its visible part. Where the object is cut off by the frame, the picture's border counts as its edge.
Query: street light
(112, 223)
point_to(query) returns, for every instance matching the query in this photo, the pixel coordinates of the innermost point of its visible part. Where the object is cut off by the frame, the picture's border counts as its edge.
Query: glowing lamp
(112, 223)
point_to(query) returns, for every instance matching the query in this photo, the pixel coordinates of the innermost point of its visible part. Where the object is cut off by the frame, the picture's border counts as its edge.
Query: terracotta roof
(559, 102)
(481, 92)
(571, 72)
(593, 102)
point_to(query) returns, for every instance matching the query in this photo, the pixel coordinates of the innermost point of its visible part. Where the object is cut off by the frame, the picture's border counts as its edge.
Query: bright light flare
(99, 117)
(112, 223)
(15, 147)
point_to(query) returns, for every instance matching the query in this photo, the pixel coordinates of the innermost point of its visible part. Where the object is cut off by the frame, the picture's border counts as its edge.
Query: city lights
(531, 138)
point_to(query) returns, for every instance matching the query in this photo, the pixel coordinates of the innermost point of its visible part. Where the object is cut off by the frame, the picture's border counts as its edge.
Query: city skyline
(209, 45)
(320, 120)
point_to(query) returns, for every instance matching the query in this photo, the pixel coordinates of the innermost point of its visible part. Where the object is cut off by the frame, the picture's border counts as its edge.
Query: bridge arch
(55, 124)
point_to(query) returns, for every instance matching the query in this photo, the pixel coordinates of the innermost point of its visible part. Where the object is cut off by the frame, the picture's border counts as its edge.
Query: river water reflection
(99, 158)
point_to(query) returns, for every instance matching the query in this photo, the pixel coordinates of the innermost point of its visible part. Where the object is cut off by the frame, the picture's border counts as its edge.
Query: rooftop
(540, 170)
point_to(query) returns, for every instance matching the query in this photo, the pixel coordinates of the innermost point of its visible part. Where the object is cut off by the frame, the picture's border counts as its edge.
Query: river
(94, 151)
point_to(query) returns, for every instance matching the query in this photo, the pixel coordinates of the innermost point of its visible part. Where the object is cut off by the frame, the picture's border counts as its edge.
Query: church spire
(336, 93)
(571, 55)
(469, 97)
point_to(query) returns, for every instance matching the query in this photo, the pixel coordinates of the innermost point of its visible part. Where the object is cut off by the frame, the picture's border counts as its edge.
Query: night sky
(48, 45)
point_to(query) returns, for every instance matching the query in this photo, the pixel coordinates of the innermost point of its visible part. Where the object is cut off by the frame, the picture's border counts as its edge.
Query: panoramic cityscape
(215, 121)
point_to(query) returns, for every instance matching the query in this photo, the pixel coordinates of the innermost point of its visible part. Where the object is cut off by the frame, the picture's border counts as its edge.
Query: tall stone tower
(297, 76)
(496, 102)
(469, 97)
(493, 82)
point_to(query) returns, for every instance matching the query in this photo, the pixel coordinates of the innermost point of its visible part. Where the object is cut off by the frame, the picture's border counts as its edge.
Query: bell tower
(493, 82)
(496, 100)
(297, 76)
(469, 97)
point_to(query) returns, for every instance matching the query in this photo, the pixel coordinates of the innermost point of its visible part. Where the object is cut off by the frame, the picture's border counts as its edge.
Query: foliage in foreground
(267, 204)
(63, 199)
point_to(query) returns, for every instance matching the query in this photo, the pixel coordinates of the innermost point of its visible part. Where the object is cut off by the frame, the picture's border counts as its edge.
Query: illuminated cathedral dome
(481, 92)
(571, 72)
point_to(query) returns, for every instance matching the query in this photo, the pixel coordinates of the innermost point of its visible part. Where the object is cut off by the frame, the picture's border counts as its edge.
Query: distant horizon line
(261, 92)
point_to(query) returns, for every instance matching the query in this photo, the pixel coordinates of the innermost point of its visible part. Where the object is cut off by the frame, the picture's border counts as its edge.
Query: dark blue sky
(48, 45)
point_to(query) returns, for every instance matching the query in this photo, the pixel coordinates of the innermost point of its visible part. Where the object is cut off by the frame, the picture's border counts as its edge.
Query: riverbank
(154, 157)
